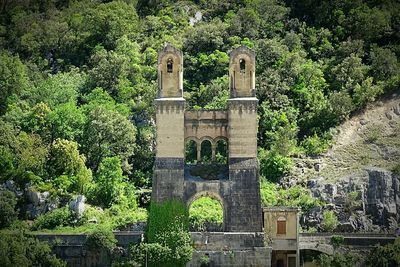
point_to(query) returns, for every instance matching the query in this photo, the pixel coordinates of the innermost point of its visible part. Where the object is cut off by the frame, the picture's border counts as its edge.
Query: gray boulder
(77, 205)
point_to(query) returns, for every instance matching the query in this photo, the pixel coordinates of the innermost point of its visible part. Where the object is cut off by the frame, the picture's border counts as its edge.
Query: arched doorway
(206, 214)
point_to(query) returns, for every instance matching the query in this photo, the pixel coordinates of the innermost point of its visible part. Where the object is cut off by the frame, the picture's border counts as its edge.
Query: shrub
(152, 253)
(314, 145)
(268, 192)
(330, 221)
(372, 133)
(339, 260)
(8, 213)
(58, 217)
(297, 196)
(101, 238)
(337, 240)
(352, 202)
(387, 255)
(18, 249)
(204, 261)
(273, 165)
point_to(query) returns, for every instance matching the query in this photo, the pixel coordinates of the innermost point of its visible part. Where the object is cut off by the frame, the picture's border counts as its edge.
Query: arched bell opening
(242, 65)
(170, 65)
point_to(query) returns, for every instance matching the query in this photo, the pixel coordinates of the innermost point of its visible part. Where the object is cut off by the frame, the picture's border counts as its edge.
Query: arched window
(190, 152)
(281, 226)
(221, 152)
(206, 151)
(170, 65)
(242, 64)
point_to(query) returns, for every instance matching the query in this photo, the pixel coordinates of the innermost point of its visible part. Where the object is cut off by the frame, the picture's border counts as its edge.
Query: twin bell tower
(239, 193)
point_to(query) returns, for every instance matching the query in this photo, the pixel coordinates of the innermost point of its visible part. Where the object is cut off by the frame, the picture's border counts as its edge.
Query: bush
(268, 192)
(273, 165)
(297, 196)
(58, 217)
(314, 145)
(18, 249)
(387, 255)
(330, 221)
(339, 260)
(8, 213)
(337, 240)
(101, 238)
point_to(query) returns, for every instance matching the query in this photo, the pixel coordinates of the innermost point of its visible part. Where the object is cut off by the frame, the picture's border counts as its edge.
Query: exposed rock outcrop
(370, 206)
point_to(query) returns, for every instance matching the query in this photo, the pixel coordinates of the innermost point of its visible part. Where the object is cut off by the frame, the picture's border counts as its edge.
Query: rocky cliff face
(359, 177)
(371, 206)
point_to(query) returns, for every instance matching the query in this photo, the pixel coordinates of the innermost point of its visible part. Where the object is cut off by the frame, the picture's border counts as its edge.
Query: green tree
(66, 122)
(273, 165)
(13, 78)
(384, 63)
(8, 211)
(66, 160)
(59, 88)
(110, 182)
(106, 134)
(338, 260)
(387, 255)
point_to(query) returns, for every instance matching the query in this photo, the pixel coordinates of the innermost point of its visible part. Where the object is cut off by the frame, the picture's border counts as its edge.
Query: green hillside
(78, 79)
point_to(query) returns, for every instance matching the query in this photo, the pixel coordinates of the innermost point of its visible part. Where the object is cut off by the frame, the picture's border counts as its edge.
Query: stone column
(213, 148)
(198, 151)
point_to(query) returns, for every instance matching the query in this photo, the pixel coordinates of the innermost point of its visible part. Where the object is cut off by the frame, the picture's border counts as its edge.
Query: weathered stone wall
(256, 257)
(245, 214)
(170, 114)
(210, 124)
(242, 114)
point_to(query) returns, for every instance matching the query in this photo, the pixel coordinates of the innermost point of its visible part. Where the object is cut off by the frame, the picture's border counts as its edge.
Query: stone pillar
(198, 151)
(245, 212)
(213, 147)
(170, 115)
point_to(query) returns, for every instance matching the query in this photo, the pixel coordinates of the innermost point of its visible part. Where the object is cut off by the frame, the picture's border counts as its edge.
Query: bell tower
(246, 213)
(170, 114)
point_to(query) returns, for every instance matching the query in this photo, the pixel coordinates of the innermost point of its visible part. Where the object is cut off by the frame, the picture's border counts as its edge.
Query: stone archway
(207, 194)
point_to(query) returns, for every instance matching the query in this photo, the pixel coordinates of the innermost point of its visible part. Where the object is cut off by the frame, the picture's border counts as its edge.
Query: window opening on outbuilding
(281, 226)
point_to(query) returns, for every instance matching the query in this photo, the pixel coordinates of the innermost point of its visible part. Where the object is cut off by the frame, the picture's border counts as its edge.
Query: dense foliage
(206, 214)
(8, 212)
(77, 81)
(19, 249)
(388, 255)
(167, 236)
